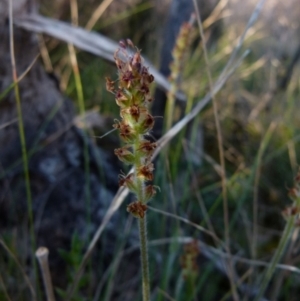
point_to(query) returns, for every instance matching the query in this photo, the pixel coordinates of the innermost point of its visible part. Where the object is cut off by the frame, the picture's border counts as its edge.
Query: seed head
(133, 97)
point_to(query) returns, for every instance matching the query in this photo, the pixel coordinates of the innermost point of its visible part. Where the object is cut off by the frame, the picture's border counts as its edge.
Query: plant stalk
(290, 225)
(144, 258)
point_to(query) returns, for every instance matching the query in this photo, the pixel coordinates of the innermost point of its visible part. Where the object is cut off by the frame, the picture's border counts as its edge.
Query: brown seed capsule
(137, 209)
(144, 89)
(128, 181)
(146, 124)
(290, 211)
(131, 114)
(126, 80)
(127, 134)
(134, 112)
(125, 155)
(147, 78)
(150, 192)
(123, 100)
(147, 148)
(146, 172)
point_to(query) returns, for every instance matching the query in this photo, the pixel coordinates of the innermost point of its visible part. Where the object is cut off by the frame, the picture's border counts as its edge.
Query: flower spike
(132, 94)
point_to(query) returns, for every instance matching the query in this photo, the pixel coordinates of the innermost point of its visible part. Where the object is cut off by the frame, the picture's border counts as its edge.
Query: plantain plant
(132, 94)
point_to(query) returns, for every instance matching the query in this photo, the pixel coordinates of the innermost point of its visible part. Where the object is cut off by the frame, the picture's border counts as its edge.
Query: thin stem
(142, 228)
(42, 256)
(15, 259)
(260, 154)
(22, 139)
(138, 163)
(277, 256)
(144, 258)
(98, 13)
(81, 106)
(222, 160)
(287, 258)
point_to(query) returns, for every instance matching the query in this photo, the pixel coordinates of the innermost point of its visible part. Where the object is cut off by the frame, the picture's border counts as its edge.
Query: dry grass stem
(231, 271)
(89, 41)
(42, 257)
(98, 13)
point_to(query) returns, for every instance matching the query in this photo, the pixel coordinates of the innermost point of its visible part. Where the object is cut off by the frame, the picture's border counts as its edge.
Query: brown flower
(110, 85)
(125, 155)
(146, 172)
(150, 192)
(147, 148)
(137, 209)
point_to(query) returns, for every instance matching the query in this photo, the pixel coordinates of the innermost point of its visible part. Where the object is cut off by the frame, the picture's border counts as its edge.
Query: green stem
(142, 224)
(23, 144)
(138, 163)
(277, 256)
(81, 105)
(144, 258)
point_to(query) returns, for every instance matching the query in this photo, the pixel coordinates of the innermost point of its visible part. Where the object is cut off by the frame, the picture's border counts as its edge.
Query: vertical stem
(22, 142)
(229, 264)
(285, 238)
(142, 229)
(81, 105)
(42, 256)
(138, 163)
(144, 258)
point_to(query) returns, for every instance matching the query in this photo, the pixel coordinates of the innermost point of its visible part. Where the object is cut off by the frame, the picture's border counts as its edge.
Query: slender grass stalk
(261, 151)
(231, 271)
(81, 105)
(22, 140)
(97, 14)
(278, 281)
(292, 215)
(19, 78)
(26, 278)
(42, 256)
(285, 238)
(164, 294)
(3, 289)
